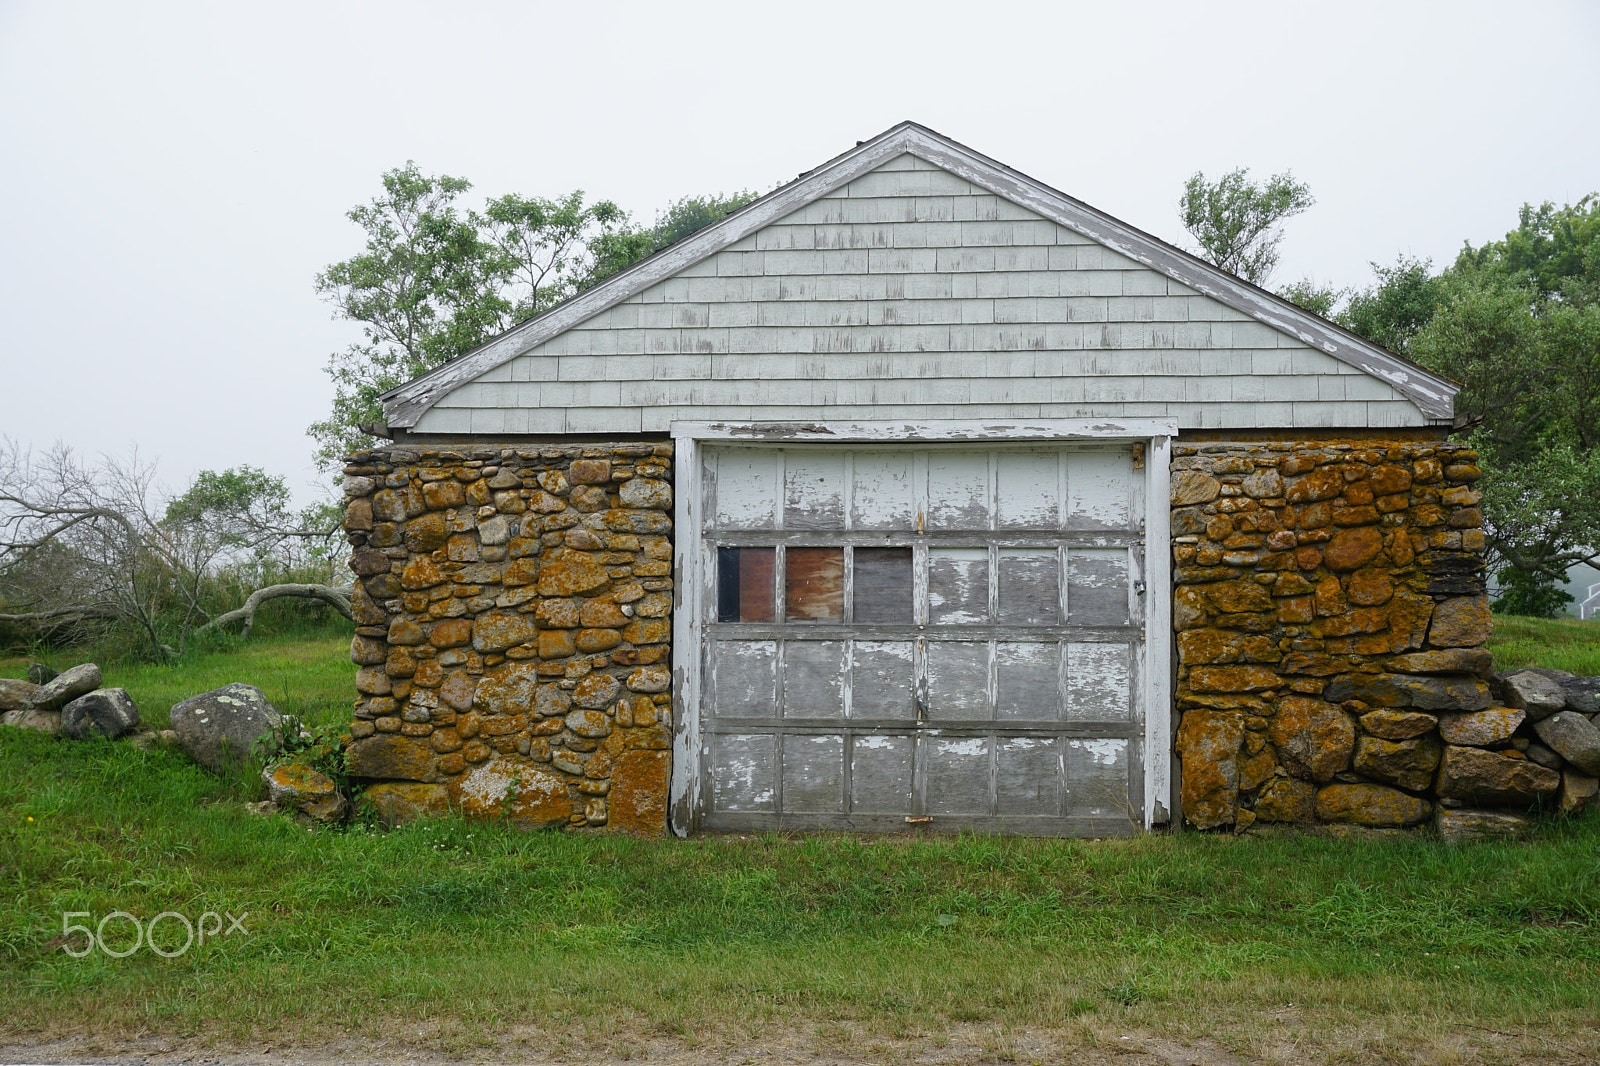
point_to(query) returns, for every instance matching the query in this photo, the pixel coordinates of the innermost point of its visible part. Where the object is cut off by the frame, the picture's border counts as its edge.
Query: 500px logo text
(144, 933)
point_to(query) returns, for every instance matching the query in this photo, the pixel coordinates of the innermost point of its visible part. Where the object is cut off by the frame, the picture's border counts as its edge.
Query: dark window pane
(883, 585)
(744, 584)
(814, 585)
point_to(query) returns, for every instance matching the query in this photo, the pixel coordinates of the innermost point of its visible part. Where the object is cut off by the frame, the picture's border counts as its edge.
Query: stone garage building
(919, 492)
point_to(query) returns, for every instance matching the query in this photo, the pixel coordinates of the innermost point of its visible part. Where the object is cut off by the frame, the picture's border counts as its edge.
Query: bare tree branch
(337, 597)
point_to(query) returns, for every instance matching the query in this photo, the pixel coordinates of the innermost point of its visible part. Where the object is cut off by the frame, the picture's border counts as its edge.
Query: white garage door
(953, 633)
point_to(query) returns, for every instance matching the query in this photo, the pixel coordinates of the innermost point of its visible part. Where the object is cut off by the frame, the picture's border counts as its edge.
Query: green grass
(308, 677)
(474, 940)
(1558, 643)
(583, 941)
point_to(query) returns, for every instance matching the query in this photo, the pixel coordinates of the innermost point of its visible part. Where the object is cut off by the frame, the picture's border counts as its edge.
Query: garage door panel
(1028, 491)
(1027, 682)
(1030, 587)
(1028, 776)
(958, 774)
(813, 678)
(958, 586)
(813, 774)
(1099, 683)
(746, 489)
(958, 490)
(882, 683)
(1096, 778)
(1097, 587)
(744, 678)
(744, 772)
(883, 496)
(1099, 484)
(958, 681)
(813, 490)
(881, 769)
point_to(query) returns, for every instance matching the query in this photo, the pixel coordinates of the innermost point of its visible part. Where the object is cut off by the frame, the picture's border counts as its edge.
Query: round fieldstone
(1481, 728)
(649, 679)
(589, 723)
(596, 691)
(1462, 826)
(645, 492)
(1191, 487)
(234, 722)
(1314, 738)
(1351, 549)
(106, 712)
(1570, 735)
(68, 685)
(1493, 779)
(1534, 693)
(1461, 622)
(1376, 806)
(309, 793)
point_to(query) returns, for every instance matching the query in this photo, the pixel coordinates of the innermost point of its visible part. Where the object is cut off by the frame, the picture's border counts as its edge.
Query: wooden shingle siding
(911, 293)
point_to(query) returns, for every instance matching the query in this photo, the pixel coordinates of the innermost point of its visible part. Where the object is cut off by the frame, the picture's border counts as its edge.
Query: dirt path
(960, 1047)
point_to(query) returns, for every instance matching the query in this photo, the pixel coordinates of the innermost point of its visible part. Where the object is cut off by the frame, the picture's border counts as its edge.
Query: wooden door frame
(691, 567)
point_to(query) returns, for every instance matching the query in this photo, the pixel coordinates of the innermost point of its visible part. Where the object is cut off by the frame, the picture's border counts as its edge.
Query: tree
(1235, 221)
(627, 245)
(1522, 335)
(1318, 299)
(435, 280)
(1401, 302)
(88, 549)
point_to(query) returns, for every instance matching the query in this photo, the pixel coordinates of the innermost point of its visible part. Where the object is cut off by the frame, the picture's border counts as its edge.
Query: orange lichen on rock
(496, 644)
(1341, 613)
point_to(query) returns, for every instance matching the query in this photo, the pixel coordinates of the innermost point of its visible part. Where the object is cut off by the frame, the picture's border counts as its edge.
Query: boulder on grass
(68, 686)
(19, 695)
(309, 794)
(105, 712)
(44, 721)
(230, 724)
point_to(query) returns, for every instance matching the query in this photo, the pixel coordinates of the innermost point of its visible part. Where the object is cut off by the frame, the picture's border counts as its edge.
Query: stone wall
(513, 612)
(1330, 616)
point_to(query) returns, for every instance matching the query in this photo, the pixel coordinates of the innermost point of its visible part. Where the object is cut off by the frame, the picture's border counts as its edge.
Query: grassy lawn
(448, 938)
(1560, 643)
(310, 677)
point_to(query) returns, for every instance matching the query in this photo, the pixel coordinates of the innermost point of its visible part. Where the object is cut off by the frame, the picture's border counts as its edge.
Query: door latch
(1138, 588)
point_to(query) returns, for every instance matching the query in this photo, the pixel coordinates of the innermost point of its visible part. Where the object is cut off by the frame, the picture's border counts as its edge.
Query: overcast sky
(176, 174)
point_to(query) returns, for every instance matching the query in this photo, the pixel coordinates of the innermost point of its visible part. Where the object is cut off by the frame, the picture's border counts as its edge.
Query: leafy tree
(1556, 249)
(1318, 299)
(436, 280)
(627, 245)
(1535, 595)
(1235, 221)
(1401, 302)
(1527, 356)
